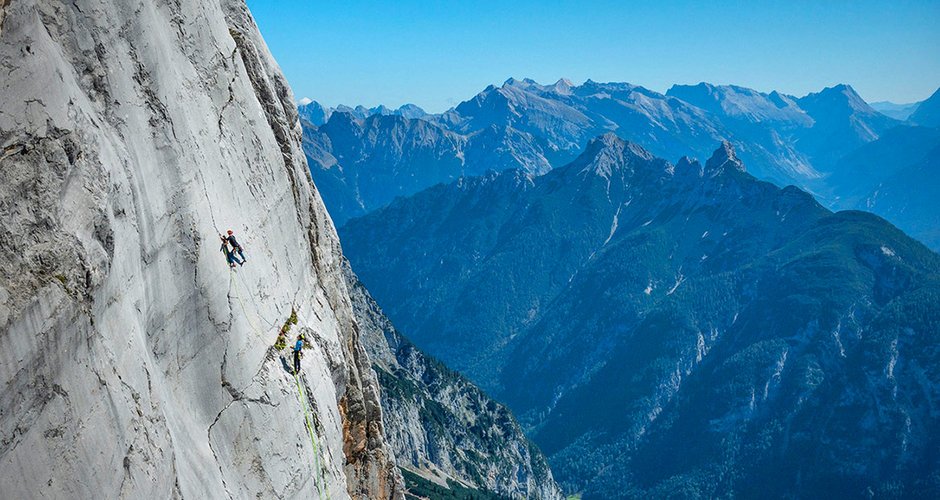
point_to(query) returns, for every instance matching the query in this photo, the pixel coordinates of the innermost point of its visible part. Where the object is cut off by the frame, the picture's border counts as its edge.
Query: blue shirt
(299, 345)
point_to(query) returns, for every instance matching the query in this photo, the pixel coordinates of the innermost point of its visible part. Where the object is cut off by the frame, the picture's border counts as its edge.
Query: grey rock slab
(133, 364)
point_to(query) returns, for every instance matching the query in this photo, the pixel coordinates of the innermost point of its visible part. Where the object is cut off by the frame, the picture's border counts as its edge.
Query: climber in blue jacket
(297, 347)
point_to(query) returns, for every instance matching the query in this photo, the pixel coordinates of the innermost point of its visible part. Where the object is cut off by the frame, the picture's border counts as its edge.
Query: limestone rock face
(133, 363)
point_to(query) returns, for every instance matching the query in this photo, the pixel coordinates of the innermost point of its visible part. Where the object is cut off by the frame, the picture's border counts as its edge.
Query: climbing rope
(241, 285)
(308, 421)
(235, 282)
(258, 331)
(301, 392)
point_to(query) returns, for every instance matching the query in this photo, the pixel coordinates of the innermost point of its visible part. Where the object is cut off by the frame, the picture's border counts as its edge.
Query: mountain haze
(894, 110)
(439, 425)
(676, 329)
(523, 124)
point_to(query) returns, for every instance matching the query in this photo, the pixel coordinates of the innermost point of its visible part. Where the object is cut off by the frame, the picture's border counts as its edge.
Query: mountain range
(363, 161)
(894, 110)
(674, 329)
(316, 114)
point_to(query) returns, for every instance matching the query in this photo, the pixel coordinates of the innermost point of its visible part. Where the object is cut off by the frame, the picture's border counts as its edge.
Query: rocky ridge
(680, 329)
(441, 426)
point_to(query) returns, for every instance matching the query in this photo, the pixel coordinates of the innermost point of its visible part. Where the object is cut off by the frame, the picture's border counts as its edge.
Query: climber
(229, 254)
(235, 246)
(297, 348)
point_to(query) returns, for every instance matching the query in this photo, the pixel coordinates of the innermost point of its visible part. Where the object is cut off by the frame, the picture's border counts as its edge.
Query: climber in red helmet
(235, 246)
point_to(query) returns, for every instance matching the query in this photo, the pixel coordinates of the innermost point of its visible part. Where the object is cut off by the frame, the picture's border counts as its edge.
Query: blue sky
(436, 54)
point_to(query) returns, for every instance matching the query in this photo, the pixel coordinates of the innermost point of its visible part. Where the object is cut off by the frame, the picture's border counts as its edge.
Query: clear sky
(436, 54)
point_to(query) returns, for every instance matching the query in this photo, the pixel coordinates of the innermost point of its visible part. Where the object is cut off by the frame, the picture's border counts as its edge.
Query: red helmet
(229, 231)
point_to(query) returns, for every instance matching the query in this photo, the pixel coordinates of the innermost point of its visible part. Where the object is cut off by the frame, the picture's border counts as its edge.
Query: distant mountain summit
(313, 112)
(674, 330)
(523, 124)
(740, 103)
(804, 141)
(316, 114)
(843, 121)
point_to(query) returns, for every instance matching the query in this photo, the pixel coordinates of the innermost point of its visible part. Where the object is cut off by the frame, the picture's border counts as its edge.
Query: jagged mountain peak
(381, 109)
(608, 153)
(841, 97)
(411, 111)
(611, 142)
(843, 121)
(722, 159)
(781, 100)
(525, 82)
(313, 112)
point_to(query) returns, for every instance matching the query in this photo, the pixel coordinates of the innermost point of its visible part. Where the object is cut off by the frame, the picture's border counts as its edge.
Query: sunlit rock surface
(132, 362)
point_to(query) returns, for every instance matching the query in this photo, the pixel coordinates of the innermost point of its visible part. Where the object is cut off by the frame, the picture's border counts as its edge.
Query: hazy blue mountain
(766, 128)
(675, 330)
(361, 112)
(843, 121)
(565, 117)
(894, 110)
(359, 165)
(863, 170)
(523, 124)
(744, 104)
(802, 137)
(314, 113)
(910, 196)
(897, 177)
(928, 111)
(810, 142)
(410, 111)
(362, 164)
(785, 139)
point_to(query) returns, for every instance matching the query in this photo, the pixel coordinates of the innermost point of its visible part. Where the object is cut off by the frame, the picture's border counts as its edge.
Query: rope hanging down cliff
(301, 393)
(308, 422)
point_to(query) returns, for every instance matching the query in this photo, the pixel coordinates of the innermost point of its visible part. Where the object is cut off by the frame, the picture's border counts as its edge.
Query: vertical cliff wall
(133, 363)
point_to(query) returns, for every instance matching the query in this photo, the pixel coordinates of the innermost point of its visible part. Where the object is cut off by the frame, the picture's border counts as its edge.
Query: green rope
(308, 418)
(313, 440)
